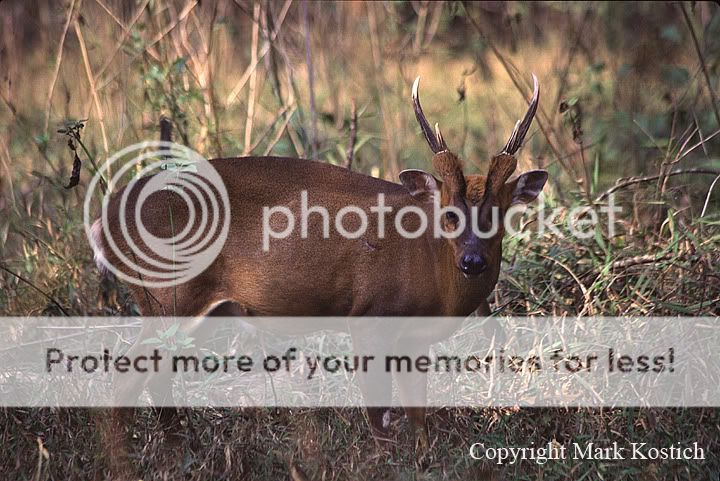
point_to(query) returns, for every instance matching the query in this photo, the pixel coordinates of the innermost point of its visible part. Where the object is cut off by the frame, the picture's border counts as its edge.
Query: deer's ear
(420, 184)
(528, 186)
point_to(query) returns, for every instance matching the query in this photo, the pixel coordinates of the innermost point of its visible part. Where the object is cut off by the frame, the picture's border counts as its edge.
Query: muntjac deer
(318, 275)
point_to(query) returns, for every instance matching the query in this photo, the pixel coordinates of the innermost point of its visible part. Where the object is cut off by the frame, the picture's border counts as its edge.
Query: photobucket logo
(197, 233)
(280, 222)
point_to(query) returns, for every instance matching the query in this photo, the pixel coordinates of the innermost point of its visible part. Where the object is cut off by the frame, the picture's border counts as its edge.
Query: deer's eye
(452, 217)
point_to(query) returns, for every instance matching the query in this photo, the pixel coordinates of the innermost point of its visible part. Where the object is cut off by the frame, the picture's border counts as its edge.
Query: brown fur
(476, 191)
(501, 168)
(369, 276)
(450, 169)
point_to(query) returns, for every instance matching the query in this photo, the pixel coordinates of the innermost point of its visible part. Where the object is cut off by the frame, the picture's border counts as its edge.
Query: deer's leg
(114, 423)
(376, 387)
(412, 388)
(159, 385)
(379, 421)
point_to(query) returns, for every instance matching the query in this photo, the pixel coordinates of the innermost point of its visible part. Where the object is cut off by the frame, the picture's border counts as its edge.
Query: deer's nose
(472, 264)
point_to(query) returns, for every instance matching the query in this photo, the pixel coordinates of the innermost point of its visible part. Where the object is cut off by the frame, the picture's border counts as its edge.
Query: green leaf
(671, 33)
(624, 70)
(179, 64)
(172, 330)
(598, 67)
(675, 76)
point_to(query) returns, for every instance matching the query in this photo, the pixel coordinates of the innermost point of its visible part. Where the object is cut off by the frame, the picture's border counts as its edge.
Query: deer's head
(474, 200)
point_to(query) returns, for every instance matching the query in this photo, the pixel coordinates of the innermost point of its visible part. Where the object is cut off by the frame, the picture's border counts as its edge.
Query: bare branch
(56, 70)
(713, 97)
(353, 137)
(93, 89)
(311, 81)
(649, 178)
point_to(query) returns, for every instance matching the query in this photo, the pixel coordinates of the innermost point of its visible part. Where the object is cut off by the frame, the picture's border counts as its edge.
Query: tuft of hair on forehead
(502, 166)
(475, 188)
(450, 170)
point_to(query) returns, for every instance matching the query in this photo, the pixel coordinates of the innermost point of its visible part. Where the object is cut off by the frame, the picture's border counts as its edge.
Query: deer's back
(299, 275)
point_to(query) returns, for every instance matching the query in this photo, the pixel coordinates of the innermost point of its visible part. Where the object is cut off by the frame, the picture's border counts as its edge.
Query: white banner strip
(342, 362)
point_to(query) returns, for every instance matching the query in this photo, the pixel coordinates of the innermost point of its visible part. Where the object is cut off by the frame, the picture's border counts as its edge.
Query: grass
(334, 444)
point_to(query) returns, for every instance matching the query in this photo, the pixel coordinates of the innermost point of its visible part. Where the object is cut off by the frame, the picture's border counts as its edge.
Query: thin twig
(541, 118)
(639, 260)
(104, 185)
(311, 80)
(709, 194)
(127, 29)
(571, 56)
(183, 14)
(353, 137)
(588, 306)
(56, 70)
(93, 89)
(270, 127)
(248, 71)
(650, 178)
(214, 105)
(389, 147)
(9, 177)
(420, 26)
(271, 60)
(253, 78)
(280, 131)
(678, 157)
(682, 153)
(112, 15)
(435, 22)
(713, 98)
(28, 282)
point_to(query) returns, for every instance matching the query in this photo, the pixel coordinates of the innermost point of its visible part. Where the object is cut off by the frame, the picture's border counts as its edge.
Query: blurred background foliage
(627, 90)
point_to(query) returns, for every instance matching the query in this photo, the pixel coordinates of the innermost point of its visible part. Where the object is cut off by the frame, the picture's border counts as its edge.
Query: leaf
(179, 64)
(152, 340)
(75, 176)
(675, 76)
(598, 67)
(671, 33)
(624, 70)
(188, 168)
(172, 330)
(361, 142)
